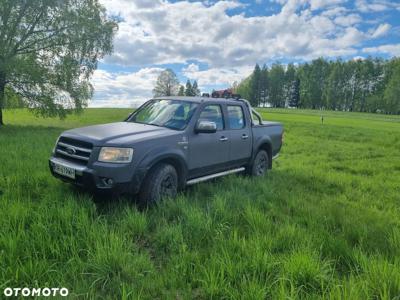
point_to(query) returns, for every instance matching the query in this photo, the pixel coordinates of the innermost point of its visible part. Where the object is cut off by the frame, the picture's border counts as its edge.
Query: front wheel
(260, 164)
(162, 182)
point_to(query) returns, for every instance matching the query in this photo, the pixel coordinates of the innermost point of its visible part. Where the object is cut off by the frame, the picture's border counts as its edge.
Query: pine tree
(189, 89)
(255, 86)
(181, 91)
(195, 89)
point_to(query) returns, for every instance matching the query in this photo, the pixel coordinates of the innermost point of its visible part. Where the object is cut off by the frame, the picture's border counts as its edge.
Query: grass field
(324, 223)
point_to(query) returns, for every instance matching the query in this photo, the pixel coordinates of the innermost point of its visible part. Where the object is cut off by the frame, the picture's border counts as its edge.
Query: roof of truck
(197, 99)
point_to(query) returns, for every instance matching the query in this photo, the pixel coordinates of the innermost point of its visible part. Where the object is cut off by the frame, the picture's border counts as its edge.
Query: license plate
(64, 171)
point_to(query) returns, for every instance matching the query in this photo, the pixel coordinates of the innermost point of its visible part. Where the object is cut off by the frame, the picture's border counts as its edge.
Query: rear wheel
(161, 182)
(260, 164)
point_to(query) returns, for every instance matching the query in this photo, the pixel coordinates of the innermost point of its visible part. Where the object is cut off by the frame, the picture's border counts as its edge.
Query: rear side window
(235, 117)
(213, 113)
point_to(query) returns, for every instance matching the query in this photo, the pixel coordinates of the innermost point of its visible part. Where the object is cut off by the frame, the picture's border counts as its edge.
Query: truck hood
(117, 133)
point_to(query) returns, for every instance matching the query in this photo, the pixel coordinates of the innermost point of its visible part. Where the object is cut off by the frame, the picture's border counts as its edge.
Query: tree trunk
(2, 90)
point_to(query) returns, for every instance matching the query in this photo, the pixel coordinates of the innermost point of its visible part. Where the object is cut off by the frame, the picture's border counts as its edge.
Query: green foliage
(195, 88)
(276, 77)
(323, 224)
(49, 49)
(189, 88)
(255, 88)
(367, 85)
(167, 84)
(392, 91)
(181, 91)
(292, 87)
(244, 88)
(12, 99)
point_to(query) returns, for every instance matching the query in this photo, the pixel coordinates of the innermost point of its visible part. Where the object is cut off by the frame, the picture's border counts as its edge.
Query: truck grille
(74, 150)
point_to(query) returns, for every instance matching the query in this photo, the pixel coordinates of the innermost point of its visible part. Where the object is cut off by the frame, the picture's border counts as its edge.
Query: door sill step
(211, 176)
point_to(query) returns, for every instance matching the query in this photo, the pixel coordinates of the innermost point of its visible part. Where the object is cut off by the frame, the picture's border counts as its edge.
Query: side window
(235, 117)
(213, 113)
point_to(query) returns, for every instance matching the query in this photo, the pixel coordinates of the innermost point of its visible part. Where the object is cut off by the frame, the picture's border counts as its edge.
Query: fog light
(107, 182)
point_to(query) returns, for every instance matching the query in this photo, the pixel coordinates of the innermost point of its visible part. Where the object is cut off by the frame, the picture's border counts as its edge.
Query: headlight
(115, 155)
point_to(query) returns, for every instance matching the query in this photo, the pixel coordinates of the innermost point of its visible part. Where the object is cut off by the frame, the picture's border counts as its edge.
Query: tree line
(190, 89)
(362, 85)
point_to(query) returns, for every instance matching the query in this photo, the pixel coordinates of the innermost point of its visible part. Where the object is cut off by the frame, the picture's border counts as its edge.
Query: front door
(209, 152)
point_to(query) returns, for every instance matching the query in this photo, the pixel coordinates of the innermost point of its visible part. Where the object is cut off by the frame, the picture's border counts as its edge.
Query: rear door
(239, 129)
(209, 152)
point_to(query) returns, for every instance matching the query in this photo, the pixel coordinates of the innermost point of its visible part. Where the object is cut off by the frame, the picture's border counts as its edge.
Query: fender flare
(163, 154)
(264, 143)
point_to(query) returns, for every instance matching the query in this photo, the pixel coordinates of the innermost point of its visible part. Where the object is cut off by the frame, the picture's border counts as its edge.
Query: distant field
(324, 223)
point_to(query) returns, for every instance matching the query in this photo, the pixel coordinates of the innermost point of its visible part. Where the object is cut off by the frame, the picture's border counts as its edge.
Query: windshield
(173, 114)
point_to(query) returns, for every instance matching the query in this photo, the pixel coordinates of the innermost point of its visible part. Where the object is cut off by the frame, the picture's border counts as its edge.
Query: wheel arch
(266, 145)
(172, 159)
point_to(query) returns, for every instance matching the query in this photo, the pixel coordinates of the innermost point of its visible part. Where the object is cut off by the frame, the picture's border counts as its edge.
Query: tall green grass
(323, 224)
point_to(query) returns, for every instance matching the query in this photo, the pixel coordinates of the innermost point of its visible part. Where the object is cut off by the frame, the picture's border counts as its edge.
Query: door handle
(223, 139)
(245, 136)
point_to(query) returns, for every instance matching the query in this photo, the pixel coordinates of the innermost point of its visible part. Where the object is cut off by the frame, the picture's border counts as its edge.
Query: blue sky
(219, 42)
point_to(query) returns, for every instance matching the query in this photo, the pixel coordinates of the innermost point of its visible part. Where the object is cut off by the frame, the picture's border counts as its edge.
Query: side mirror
(206, 127)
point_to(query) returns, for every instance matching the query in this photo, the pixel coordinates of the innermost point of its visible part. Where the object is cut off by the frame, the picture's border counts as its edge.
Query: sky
(219, 42)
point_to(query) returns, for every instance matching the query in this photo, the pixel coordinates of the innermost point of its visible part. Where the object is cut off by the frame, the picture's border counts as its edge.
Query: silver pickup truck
(167, 144)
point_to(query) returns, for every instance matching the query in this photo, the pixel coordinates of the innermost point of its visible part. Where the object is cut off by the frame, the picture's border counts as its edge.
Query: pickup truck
(167, 144)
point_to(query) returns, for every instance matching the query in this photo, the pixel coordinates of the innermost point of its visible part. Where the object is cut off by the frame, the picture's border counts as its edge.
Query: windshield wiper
(154, 124)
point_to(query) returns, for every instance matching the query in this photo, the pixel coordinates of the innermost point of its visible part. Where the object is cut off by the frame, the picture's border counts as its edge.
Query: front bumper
(123, 180)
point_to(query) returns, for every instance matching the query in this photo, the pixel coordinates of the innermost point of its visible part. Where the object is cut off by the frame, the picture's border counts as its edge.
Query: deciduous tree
(49, 49)
(277, 84)
(392, 92)
(167, 84)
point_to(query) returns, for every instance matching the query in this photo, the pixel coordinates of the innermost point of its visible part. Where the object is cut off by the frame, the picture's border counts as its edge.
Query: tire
(161, 182)
(260, 164)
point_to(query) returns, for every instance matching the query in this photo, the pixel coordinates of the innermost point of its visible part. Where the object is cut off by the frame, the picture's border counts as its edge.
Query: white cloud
(391, 49)
(381, 30)
(335, 11)
(348, 20)
(123, 89)
(367, 6)
(186, 31)
(216, 76)
(319, 4)
(358, 57)
(156, 33)
(134, 88)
